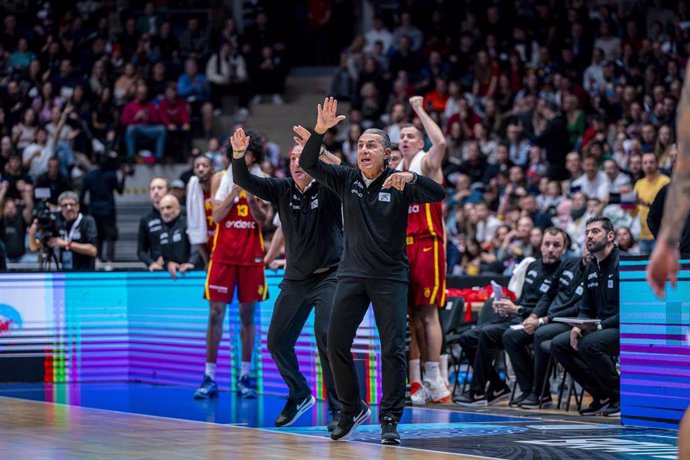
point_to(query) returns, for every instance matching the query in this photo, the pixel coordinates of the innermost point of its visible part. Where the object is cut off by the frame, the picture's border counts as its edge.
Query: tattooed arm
(663, 263)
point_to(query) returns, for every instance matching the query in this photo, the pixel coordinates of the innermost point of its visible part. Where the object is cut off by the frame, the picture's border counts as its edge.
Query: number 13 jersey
(238, 239)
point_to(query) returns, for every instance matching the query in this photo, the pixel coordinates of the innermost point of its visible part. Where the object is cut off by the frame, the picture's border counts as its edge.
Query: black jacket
(601, 299)
(174, 243)
(565, 293)
(312, 221)
(375, 220)
(656, 213)
(538, 280)
(148, 240)
(100, 184)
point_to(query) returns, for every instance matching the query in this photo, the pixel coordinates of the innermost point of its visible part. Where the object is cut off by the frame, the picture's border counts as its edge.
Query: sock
(444, 368)
(432, 371)
(211, 370)
(415, 371)
(246, 367)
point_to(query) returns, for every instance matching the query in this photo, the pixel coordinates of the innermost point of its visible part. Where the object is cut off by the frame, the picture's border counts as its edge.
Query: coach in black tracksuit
(374, 267)
(311, 220)
(591, 363)
(562, 299)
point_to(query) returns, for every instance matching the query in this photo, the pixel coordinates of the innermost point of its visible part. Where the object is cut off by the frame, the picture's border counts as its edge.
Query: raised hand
(398, 180)
(327, 115)
(302, 136)
(417, 103)
(239, 141)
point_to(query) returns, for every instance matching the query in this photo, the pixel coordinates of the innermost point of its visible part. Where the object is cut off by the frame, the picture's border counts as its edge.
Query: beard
(596, 246)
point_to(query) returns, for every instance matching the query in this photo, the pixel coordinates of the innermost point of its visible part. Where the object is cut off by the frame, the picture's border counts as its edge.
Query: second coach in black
(374, 266)
(312, 224)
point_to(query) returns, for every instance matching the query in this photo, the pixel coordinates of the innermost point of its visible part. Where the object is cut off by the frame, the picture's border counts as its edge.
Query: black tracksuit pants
(291, 311)
(531, 377)
(481, 344)
(389, 300)
(591, 365)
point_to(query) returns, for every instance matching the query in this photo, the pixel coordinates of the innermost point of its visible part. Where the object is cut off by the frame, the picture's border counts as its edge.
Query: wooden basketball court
(40, 430)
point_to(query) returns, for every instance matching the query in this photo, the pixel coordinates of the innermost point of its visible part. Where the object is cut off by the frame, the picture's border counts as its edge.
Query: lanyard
(74, 227)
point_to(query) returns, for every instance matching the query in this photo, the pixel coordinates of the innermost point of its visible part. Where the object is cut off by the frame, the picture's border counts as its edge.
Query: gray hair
(69, 195)
(385, 140)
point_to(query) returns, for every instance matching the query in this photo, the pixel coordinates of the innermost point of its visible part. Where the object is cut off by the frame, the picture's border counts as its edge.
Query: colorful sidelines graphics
(145, 327)
(655, 354)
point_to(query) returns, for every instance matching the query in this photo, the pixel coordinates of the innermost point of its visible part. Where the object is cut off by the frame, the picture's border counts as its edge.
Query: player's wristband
(237, 154)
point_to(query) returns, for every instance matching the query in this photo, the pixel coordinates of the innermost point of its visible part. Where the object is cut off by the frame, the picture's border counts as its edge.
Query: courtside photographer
(67, 243)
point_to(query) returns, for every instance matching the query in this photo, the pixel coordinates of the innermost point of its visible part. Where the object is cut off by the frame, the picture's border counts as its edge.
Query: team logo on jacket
(385, 196)
(427, 292)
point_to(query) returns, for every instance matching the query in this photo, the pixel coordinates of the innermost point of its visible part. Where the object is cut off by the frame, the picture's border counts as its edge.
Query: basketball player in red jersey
(237, 259)
(203, 170)
(426, 253)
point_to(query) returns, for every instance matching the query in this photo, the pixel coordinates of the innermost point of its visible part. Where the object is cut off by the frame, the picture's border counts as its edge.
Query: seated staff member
(312, 227)
(562, 299)
(374, 267)
(585, 352)
(175, 248)
(483, 342)
(148, 240)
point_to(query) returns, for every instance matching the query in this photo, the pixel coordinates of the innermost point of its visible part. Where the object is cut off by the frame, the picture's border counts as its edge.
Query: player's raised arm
(431, 165)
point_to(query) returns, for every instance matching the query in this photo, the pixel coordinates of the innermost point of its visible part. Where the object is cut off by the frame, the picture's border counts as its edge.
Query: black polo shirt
(311, 221)
(375, 219)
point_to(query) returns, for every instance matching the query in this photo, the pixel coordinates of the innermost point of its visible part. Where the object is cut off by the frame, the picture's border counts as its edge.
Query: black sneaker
(293, 409)
(614, 409)
(597, 407)
(533, 402)
(389, 430)
(493, 397)
(207, 390)
(335, 417)
(347, 423)
(471, 399)
(517, 401)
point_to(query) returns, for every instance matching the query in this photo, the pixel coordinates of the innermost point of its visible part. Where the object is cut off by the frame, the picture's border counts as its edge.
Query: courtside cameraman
(70, 239)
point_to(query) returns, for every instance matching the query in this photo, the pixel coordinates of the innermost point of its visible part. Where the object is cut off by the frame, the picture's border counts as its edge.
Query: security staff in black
(562, 299)
(311, 221)
(374, 267)
(484, 341)
(148, 240)
(175, 247)
(587, 352)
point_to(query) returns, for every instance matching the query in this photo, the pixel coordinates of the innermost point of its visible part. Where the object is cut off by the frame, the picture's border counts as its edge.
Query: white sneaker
(418, 394)
(437, 391)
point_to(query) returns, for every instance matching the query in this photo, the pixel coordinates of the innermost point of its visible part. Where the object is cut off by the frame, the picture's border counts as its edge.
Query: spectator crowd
(87, 90)
(553, 112)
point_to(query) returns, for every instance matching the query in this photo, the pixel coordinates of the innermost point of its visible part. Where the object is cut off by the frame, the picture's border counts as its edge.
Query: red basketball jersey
(425, 220)
(238, 239)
